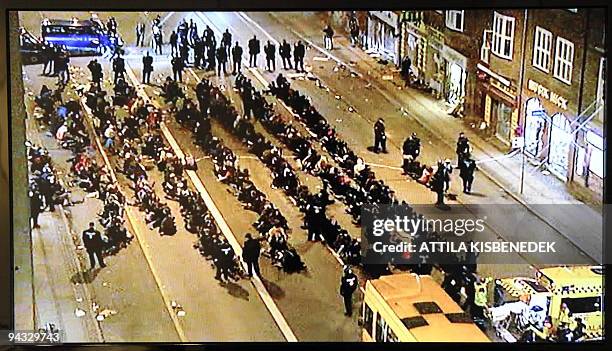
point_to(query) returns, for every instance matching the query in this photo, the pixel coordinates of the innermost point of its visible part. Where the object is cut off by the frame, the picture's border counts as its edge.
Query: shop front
(383, 35)
(549, 130)
(499, 105)
(534, 127)
(455, 75)
(590, 159)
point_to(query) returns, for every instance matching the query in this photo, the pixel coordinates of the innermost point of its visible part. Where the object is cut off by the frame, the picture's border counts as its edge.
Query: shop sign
(436, 38)
(506, 90)
(544, 92)
(388, 17)
(453, 56)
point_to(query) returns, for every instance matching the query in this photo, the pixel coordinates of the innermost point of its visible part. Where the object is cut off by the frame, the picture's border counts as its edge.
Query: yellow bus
(407, 307)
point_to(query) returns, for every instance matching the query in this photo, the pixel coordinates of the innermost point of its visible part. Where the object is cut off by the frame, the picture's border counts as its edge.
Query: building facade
(531, 78)
(562, 100)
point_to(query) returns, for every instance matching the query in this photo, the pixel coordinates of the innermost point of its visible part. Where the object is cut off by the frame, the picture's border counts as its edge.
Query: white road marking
(263, 81)
(139, 237)
(225, 229)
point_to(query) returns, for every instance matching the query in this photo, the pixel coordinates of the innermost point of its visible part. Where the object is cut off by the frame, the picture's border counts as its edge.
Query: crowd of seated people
(227, 170)
(44, 184)
(63, 119)
(366, 188)
(216, 105)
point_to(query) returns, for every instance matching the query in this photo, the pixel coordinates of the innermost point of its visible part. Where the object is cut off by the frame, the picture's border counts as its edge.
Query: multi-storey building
(561, 102)
(532, 77)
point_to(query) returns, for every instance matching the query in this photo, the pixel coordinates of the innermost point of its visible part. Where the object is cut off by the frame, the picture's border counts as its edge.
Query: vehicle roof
(575, 275)
(401, 292)
(69, 22)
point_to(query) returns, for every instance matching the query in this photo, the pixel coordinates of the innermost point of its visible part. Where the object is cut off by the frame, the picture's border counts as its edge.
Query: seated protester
(190, 163)
(123, 93)
(412, 167)
(426, 175)
(224, 173)
(353, 253)
(167, 225)
(290, 261)
(171, 91)
(277, 240)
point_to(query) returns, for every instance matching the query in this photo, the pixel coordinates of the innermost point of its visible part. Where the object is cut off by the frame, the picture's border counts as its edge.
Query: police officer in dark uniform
(184, 53)
(198, 52)
(221, 60)
(380, 138)
(225, 261)
(147, 68)
(96, 70)
(48, 51)
(412, 148)
(36, 204)
(437, 184)
(119, 68)
(299, 51)
(209, 36)
(174, 43)
(92, 240)
(285, 53)
(463, 148)
(211, 52)
(177, 69)
(140, 29)
(466, 172)
(348, 285)
(237, 57)
(254, 49)
(270, 51)
(226, 41)
(250, 254)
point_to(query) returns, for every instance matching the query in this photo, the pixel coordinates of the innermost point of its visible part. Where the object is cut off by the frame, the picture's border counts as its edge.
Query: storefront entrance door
(560, 139)
(503, 115)
(455, 83)
(534, 127)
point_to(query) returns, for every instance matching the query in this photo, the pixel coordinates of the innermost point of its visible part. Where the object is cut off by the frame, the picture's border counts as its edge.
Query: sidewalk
(582, 214)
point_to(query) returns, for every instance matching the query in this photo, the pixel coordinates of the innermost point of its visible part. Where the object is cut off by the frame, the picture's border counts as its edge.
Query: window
(485, 49)
(368, 318)
(564, 58)
(381, 326)
(596, 161)
(454, 20)
(503, 36)
(583, 304)
(542, 43)
(391, 337)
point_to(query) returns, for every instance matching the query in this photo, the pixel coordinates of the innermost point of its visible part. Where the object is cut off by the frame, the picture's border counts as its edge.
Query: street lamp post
(520, 99)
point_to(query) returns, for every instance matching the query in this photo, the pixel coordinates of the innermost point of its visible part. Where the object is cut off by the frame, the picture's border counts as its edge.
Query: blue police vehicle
(79, 37)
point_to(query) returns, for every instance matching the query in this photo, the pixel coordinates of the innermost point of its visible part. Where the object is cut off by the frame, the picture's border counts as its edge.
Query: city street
(143, 282)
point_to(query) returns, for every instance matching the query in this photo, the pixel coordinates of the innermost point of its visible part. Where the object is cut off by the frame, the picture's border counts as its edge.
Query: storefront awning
(502, 80)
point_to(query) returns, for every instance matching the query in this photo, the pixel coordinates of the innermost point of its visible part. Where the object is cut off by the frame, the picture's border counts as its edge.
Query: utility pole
(520, 98)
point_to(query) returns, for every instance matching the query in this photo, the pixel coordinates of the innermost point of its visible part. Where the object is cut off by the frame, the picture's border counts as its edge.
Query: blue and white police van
(79, 37)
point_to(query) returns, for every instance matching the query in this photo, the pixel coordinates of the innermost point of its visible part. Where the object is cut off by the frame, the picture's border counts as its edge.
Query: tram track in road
(256, 27)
